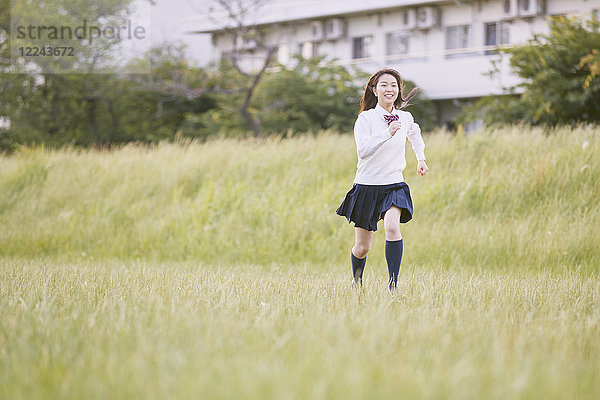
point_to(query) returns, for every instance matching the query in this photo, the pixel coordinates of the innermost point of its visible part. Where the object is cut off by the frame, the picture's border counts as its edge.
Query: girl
(379, 190)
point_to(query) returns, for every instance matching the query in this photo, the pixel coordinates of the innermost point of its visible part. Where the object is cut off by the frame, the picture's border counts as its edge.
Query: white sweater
(381, 157)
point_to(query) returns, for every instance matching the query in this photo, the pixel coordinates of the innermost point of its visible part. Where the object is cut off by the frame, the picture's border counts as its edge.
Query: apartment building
(445, 47)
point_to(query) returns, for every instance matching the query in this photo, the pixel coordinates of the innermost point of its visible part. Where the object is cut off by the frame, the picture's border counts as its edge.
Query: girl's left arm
(414, 137)
(418, 145)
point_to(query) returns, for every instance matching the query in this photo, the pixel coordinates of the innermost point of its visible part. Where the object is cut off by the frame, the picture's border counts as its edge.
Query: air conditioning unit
(334, 28)
(531, 8)
(316, 30)
(408, 19)
(427, 17)
(510, 9)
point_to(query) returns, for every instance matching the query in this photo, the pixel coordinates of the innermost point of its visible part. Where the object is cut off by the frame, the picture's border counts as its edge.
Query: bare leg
(391, 223)
(362, 242)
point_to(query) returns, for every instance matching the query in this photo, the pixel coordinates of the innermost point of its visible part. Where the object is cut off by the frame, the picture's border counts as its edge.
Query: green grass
(220, 270)
(514, 198)
(178, 330)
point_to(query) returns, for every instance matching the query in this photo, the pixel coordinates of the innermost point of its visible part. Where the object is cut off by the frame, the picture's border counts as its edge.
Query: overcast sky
(167, 16)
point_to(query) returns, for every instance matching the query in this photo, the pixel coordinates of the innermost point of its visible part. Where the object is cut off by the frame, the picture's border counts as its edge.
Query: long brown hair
(369, 100)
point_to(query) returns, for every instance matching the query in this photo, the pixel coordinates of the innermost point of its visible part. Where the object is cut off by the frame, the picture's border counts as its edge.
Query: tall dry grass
(511, 198)
(220, 270)
(124, 330)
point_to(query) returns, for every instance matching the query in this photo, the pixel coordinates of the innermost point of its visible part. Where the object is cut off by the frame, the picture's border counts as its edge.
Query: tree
(559, 78)
(9, 83)
(107, 109)
(318, 94)
(175, 92)
(34, 92)
(590, 63)
(83, 107)
(238, 25)
(314, 94)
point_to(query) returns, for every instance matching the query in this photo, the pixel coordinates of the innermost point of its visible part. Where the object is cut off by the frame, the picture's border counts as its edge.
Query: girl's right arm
(366, 141)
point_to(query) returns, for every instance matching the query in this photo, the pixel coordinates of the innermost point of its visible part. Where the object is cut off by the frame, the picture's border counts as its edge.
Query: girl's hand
(394, 126)
(422, 168)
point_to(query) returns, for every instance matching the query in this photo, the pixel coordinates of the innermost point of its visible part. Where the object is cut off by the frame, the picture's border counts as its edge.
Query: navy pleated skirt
(365, 205)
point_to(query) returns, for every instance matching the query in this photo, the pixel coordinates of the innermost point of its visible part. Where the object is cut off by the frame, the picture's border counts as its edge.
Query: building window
(496, 33)
(397, 43)
(361, 47)
(458, 37)
(308, 49)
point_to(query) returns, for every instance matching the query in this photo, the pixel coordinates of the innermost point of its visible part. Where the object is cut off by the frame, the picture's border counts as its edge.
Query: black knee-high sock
(358, 266)
(393, 256)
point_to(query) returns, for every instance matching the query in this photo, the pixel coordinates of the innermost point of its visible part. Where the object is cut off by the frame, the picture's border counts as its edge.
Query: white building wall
(444, 75)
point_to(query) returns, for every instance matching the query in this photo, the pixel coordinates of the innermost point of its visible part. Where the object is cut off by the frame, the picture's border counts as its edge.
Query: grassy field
(506, 199)
(220, 270)
(167, 331)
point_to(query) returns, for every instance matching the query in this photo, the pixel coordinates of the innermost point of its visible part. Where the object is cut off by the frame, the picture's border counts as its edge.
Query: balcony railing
(428, 55)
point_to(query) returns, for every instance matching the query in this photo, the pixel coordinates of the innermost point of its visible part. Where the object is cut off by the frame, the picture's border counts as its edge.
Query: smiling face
(386, 91)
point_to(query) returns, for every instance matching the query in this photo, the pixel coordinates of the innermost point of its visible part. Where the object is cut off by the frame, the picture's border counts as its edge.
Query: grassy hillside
(514, 198)
(220, 270)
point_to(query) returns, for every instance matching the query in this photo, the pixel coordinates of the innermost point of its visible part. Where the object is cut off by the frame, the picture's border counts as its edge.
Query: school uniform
(379, 183)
